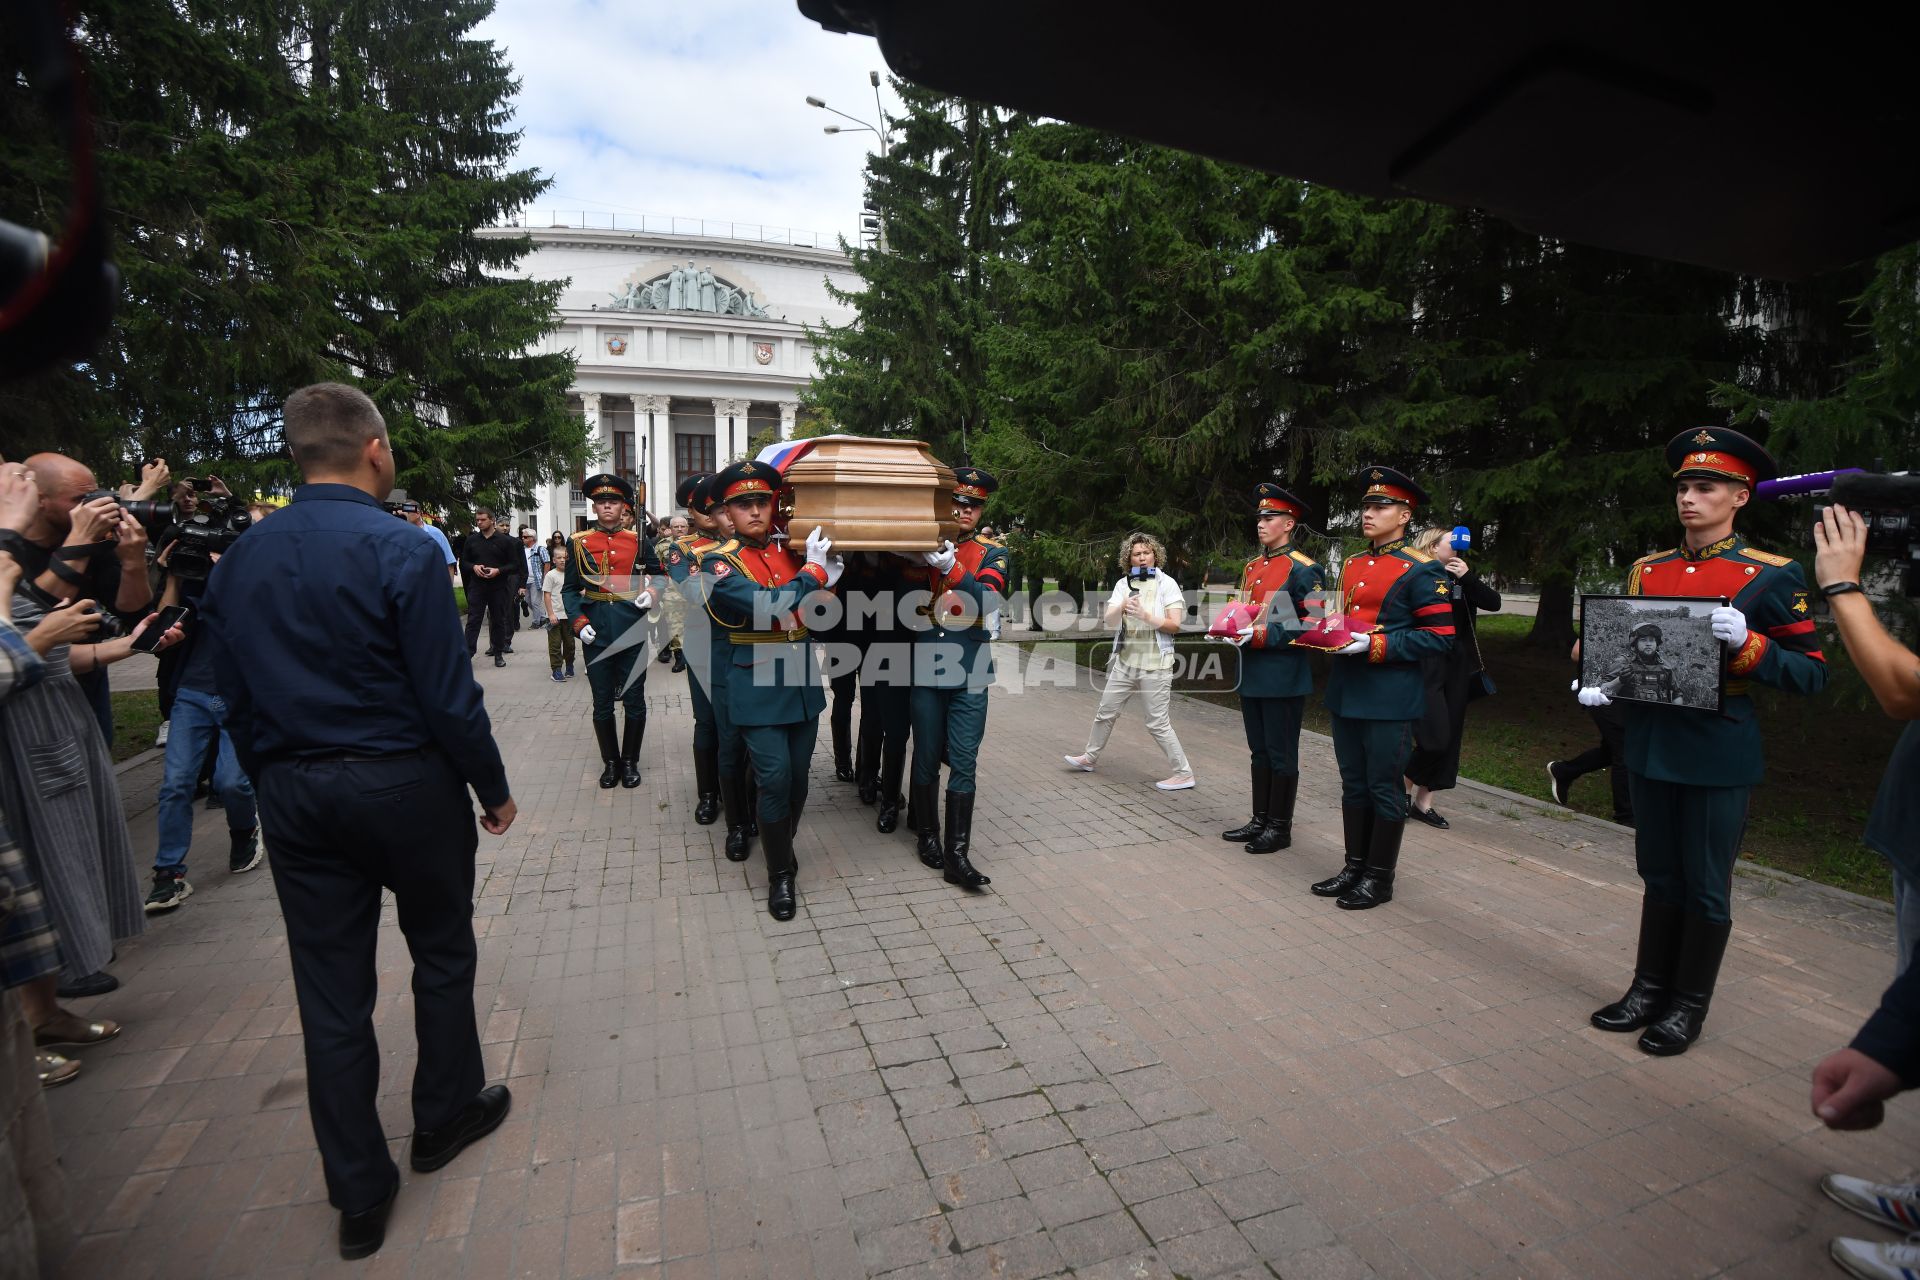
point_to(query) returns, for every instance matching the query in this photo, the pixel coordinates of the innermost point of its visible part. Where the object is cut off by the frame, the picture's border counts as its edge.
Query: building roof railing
(668, 224)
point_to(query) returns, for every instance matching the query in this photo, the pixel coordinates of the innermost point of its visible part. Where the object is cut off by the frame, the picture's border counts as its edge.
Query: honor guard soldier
(753, 591)
(1275, 678)
(612, 580)
(1691, 771)
(681, 559)
(737, 793)
(874, 585)
(952, 669)
(1402, 599)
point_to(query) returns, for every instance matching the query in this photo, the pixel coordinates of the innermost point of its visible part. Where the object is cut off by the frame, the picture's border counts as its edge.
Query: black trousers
(491, 598)
(342, 831)
(1610, 755)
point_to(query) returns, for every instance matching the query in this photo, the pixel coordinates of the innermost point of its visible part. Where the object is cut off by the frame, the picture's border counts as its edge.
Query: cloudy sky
(693, 109)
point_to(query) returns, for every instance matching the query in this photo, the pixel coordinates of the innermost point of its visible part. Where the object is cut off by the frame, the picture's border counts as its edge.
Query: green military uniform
(681, 558)
(1401, 600)
(1691, 771)
(753, 592)
(952, 670)
(1275, 677)
(871, 592)
(612, 579)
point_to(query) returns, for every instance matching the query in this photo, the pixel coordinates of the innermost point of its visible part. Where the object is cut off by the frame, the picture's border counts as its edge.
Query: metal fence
(667, 224)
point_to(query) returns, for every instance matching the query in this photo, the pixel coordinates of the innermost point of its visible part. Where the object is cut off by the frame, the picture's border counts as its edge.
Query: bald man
(85, 550)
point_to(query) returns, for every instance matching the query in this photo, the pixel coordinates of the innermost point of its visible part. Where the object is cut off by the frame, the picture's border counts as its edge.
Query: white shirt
(1159, 594)
(550, 586)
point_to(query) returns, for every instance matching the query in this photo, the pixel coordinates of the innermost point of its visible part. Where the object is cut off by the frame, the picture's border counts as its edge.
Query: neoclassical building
(688, 348)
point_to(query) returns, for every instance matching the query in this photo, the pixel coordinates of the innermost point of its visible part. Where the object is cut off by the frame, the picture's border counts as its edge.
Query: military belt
(768, 637)
(608, 596)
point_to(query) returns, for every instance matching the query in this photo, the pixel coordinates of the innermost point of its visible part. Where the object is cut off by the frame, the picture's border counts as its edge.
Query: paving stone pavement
(1143, 1054)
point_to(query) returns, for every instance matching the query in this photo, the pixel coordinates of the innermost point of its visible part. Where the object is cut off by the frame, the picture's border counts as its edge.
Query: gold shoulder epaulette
(1765, 557)
(1300, 557)
(989, 540)
(1416, 555)
(1651, 556)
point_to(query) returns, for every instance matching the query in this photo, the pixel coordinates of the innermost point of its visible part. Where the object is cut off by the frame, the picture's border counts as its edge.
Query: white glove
(818, 545)
(1730, 625)
(587, 635)
(835, 566)
(1575, 686)
(941, 560)
(1590, 696)
(1357, 645)
(643, 601)
(1239, 638)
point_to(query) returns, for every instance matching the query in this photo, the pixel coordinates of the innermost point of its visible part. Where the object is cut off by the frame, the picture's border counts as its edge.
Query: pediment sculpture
(688, 288)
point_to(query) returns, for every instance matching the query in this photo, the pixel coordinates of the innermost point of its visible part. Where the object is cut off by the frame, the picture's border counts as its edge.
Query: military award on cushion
(1233, 619)
(1656, 649)
(1334, 631)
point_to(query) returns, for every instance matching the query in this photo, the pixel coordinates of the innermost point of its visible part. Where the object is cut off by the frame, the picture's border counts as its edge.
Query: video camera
(1888, 502)
(209, 531)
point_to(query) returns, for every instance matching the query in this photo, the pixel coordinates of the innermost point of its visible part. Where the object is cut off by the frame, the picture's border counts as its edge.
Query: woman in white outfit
(1147, 606)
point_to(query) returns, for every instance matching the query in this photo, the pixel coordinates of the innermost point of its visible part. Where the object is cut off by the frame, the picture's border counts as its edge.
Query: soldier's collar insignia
(1704, 437)
(1398, 544)
(1709, 552)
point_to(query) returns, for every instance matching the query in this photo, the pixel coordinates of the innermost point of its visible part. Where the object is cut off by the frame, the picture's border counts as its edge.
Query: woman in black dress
(1454, 679)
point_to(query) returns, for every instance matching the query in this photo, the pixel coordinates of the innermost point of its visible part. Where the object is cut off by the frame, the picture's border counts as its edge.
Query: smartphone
(169, 616)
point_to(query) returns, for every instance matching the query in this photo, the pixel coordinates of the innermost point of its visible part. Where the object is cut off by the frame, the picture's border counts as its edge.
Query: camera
(154, 515)
(208, 532)
(1889, 503)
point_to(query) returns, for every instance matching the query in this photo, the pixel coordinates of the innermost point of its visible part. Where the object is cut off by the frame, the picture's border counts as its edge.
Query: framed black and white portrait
(1653, 649)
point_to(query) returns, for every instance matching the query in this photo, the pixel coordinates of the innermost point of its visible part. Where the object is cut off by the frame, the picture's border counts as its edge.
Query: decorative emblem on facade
(763, 352)
(616, 345)
(1705, 437)
(688, 288)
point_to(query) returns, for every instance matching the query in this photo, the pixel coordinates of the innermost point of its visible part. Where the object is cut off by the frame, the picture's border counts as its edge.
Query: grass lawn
(136, 719)
(1824, 755)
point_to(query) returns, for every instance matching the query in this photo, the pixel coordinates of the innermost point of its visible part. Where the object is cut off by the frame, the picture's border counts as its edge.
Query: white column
(596, 435)
(789, 410)
(650, 416)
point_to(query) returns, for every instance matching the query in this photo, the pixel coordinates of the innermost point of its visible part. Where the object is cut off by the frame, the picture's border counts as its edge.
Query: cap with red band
(1270, 497)
(1716, 453)
(1384, 484)
(744, 479)
(972, 485)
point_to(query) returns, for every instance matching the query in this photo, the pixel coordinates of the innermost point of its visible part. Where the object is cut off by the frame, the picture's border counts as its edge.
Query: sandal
(54, 1069)
(67, 1028)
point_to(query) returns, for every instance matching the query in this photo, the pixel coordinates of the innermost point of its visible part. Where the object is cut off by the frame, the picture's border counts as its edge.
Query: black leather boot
(866, 766)
(842, 750)
(753, 803)
(1278, 833)
(1375, 886)
(1355, 821)
(609, 753)
(1646, 998)
(926, 812)
(636, 730)
(891, 769)
(733, 796)
(1262, 782)
(959, 836)
(1703, 944)
(776, 840)
(679, 661)
(706, 783)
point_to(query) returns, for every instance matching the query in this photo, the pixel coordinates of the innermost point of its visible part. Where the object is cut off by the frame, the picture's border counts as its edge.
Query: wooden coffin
(872, 495)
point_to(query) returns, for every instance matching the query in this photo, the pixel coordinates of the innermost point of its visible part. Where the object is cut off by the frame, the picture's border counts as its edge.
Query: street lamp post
(879, 131)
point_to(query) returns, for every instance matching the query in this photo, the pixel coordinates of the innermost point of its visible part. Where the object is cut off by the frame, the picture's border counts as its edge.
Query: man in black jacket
(490, 563)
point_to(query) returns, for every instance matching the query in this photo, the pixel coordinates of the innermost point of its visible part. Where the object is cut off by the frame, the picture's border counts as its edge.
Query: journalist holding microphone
(1146, 609)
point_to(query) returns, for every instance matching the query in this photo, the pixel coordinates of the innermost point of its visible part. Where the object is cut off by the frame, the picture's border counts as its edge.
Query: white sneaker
(1178, 782)
(1895, 1205)
(160, 738)
(1870, 1260)
(1081, 763)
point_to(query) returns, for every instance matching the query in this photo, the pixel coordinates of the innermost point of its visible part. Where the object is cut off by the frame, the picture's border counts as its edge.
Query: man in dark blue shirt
(353, 707)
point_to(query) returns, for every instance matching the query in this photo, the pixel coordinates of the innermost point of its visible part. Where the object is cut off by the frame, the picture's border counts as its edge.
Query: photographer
(1147, 606)
(79, 543)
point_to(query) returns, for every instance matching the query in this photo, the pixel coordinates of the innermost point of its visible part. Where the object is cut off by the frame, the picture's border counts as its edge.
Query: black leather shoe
(780, 900)
(434, 1148)
(362, 1234)
(94, 984)
(609, 739)
(679, 661)
(1559, 783)
(1355, 823)
(887, 819)
(1262, 783)
(706, 783)
(1430, 816)
(666, 656)
(733, 800)
(707, 811)
(1644, 1001)
(630, 752)
(499, 661)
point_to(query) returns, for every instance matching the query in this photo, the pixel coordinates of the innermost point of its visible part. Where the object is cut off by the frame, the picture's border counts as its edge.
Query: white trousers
(1156, 687)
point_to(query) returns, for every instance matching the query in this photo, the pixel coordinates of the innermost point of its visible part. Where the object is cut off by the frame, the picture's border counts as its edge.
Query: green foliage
(293, 192)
